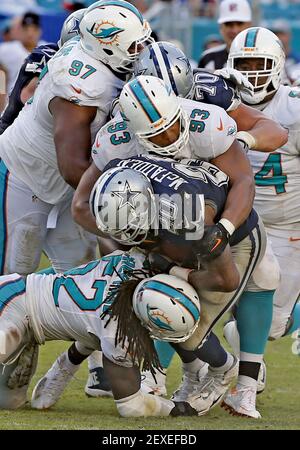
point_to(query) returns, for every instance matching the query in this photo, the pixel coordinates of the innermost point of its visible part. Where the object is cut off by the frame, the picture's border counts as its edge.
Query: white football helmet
(70, 26)
(258, 42)
(166, 61)
(168, 307)
(109, 28)
(150, 107)
(122, 202)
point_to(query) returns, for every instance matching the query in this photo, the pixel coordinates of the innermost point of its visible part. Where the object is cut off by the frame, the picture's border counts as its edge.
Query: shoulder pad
(215, 90)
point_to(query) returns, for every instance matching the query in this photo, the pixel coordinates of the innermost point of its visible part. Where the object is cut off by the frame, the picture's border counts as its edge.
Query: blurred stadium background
(192, 22)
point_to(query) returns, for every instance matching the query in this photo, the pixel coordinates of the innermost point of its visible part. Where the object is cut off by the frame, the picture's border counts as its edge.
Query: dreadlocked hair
(140, 345)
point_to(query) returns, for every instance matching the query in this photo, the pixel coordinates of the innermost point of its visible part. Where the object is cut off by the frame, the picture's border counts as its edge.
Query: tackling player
(258, 54)
(108, 303)
(47, 148)
(30, 71)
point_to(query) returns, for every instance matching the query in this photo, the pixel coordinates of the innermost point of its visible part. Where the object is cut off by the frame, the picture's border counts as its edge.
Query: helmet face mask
(123, 204)
(113, 32)
(265, 50)
(150, 107)
(171, 149)
(168, 307)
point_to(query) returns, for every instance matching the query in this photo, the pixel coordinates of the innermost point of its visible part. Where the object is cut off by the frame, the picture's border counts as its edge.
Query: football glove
(159, 263)
(236, 77)
(213, 243)
(183, 409)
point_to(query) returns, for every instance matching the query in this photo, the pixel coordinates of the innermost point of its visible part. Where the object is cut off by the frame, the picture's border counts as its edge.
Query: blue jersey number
(273, 167)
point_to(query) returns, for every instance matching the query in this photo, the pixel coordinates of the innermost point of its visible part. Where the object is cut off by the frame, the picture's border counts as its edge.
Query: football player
(103, 303)
(30, 71)
(164, 60)
(47, 148)
(258, 54)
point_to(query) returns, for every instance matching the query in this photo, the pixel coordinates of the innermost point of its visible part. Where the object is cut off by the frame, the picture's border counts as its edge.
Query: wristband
(180, 272)
(247, 138)
(229, 227)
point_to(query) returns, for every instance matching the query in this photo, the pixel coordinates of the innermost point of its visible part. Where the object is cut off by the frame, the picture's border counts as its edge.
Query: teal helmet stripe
(251, 37)
(122, 4)
(169, 291)
(144, 100)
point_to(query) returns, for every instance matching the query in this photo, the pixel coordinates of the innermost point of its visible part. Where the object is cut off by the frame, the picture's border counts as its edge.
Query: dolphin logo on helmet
(105, 35)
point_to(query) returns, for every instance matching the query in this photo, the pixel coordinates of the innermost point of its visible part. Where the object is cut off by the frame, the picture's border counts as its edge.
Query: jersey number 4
(271, 174)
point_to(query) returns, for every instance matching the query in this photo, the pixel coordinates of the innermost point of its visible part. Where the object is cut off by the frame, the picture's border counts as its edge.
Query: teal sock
(296, 320)
(254, 318)
(165, 353)
(48, 271)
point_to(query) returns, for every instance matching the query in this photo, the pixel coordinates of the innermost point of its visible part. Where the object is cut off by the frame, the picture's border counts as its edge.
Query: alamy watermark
(132, 210)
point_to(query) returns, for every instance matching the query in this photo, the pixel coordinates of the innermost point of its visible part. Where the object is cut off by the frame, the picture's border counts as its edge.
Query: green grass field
(279, 404)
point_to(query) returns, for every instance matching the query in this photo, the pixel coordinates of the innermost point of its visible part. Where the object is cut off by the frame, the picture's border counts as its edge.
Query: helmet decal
(105, 32)
(171, 292)
(251, 37)
(158, 318)
(127, 196)
(144, 100)
(121, 4)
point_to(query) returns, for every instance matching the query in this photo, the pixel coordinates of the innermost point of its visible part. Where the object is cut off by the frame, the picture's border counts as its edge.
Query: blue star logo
(73, 25)
(127, 196)
(184, 59)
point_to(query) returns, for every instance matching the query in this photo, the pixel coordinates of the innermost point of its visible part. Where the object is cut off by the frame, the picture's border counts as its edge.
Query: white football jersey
(212, 131)
(69, 306)
(27, 146)
(277, 174)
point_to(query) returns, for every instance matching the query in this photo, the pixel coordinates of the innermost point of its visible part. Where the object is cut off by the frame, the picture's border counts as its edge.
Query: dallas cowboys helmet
(111, 32)
(151, 107)
(166, 61)
(122, 202)
(70, 26)
(259, 42)
(167, 306)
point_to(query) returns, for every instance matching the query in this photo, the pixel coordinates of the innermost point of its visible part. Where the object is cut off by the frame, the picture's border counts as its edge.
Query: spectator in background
(31, 31)
(22, 35)
(234, 17)
(282, 30)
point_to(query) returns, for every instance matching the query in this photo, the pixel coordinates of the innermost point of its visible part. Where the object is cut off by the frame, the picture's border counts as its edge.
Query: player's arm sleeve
(223, 130)
(89, 91)
(101, 149)
(112, 142)
(215, 90)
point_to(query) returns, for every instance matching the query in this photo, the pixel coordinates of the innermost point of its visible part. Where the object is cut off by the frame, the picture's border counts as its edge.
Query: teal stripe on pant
(254, 317)
(3, 225)
(165, 353)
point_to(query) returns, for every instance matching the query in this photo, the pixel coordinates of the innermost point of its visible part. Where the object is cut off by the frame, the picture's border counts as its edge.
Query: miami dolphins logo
(159, 319)
(105, 32)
